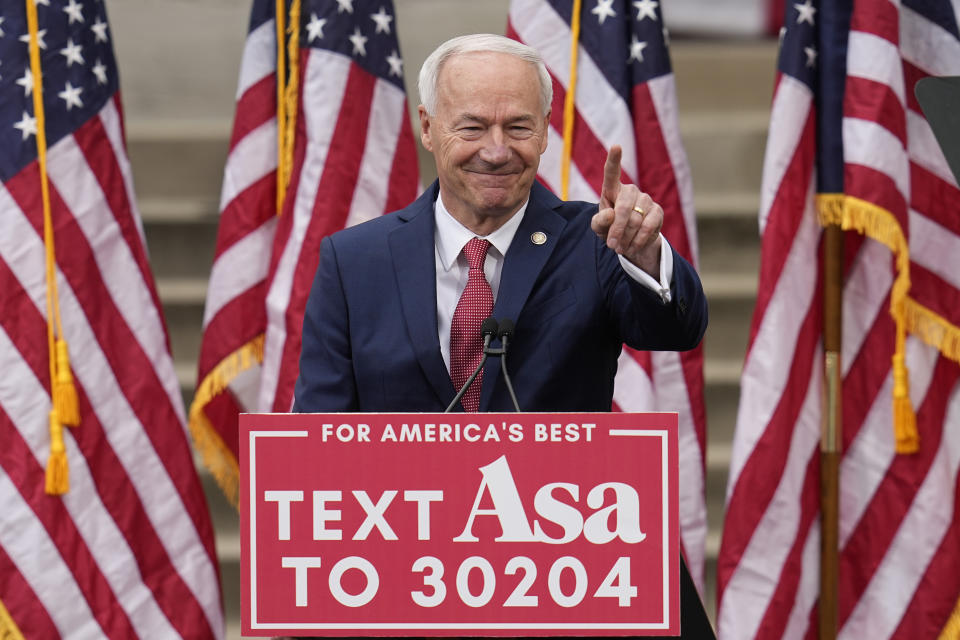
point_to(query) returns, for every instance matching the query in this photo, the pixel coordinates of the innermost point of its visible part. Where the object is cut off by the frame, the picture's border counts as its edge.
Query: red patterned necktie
(466, 343)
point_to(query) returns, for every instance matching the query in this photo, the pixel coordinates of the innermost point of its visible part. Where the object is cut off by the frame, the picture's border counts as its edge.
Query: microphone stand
(506, 332)
(489, 328)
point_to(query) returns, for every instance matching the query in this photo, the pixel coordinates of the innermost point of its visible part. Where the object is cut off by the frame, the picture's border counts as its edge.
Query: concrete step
(181, 248)
(723, 75)
(178, 158)
(182, 300)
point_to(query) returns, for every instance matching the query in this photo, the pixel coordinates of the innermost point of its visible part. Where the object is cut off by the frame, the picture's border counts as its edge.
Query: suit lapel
(415, 270)
(521, 268)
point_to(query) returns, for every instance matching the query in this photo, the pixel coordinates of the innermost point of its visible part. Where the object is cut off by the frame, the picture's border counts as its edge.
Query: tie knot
(476, 252)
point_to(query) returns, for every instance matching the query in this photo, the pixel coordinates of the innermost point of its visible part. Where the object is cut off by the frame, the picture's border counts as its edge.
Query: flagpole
(830, 442)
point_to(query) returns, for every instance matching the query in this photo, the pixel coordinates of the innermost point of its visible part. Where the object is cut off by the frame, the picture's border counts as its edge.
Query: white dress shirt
(450, 237)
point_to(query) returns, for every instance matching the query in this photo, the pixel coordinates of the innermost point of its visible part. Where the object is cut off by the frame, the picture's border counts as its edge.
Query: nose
(495, 150)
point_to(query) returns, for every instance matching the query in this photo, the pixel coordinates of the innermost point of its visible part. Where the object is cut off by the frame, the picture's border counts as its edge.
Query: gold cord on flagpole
(281, 102)
(569, 102)
(288, 80)
(63, 393)
(879, 224)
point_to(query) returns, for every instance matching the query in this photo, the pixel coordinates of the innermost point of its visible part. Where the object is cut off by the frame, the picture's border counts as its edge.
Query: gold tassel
(64, 392)
(58, 472)
(904, 419)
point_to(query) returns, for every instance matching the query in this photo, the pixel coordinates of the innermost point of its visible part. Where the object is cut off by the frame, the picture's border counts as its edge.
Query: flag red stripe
(26, 326)
(934, 293)
(257, 105)
(911, 75)
(330, 210)
(655, 170)
(588, 154)
(285, 222)
(655, 175)
(754, 490)
(879, 18)
(935, 599)
(692, 362)
(237, 323)
(224, 411)
(877, 188)
(866, 374)
(133, 370)
(93, 142)
(869, 542)
(875, 101)
(403, 171)
(27, 476)
(774, 621)
(247, 212)
(20, 599)
(782, 224)
(935, 197)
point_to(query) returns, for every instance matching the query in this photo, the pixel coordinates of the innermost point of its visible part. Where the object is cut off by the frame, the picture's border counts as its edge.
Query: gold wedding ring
(639, 210)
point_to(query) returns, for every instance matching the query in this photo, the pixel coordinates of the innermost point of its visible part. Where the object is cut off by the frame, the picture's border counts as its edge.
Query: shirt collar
(451, 236)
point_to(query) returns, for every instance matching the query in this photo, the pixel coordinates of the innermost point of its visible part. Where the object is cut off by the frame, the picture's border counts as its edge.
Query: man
(393, 319)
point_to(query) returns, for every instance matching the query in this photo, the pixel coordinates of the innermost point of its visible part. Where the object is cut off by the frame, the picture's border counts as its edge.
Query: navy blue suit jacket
(370, 340)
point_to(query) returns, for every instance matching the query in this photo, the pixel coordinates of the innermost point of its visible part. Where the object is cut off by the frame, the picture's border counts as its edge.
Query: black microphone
(506, 333)
(488, 329)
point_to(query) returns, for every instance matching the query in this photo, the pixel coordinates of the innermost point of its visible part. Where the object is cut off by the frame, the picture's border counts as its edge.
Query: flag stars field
(71, 96)
(359, 42)
(100, 71)
(646, 9)
(636, 50)
(99, 29)
(315, 27)
(383, 19)
(805, 12)
(27, 125)
(396, 64)
(72, 52)
(74, 10)
(603, 10)
(41, 33)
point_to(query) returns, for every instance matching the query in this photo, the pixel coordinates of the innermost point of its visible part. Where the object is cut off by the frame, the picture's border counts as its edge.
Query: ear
(425, 128)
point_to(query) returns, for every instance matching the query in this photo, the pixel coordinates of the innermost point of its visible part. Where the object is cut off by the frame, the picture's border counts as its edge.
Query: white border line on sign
(664, 624)
(253, 513)
(662, 434)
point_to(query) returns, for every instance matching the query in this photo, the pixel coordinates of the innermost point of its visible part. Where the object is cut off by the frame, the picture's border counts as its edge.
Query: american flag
(353, 159)
(845, 123)
(128, 550)
(625, 95)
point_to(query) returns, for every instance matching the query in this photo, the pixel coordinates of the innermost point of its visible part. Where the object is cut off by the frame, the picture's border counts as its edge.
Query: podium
(453, 525)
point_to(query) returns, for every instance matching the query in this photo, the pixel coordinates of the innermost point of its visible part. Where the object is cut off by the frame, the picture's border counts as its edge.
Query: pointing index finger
(611, 177)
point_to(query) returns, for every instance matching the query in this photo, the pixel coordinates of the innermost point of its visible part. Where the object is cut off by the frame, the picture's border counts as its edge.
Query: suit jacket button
(682, 305)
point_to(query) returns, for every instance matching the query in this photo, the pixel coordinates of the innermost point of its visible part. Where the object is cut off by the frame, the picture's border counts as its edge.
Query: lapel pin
(538, 237)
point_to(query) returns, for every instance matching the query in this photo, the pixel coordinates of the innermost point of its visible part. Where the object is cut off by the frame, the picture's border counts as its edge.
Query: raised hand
(628, 219)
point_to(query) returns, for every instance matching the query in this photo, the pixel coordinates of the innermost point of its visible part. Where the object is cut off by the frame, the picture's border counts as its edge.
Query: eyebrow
(476, 118)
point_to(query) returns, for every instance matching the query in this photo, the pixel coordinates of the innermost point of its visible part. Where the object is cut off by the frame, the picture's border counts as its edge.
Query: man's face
(487, 135)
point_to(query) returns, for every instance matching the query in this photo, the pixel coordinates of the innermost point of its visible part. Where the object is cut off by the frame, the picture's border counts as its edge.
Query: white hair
(479, 43)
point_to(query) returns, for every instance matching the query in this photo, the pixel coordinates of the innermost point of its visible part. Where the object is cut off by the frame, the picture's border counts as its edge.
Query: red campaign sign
(513, 524)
